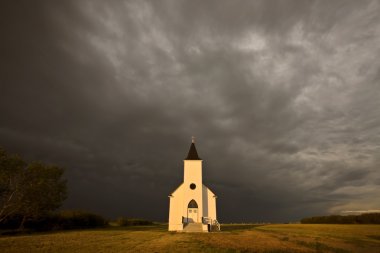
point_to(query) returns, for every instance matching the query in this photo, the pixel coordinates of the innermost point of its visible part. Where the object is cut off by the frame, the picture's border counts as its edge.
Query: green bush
(122, 221)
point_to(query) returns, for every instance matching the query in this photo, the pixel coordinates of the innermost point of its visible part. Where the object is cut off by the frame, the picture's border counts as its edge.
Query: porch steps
(193, 227)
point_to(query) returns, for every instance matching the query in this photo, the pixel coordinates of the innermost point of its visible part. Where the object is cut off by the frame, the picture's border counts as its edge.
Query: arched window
(192, 204)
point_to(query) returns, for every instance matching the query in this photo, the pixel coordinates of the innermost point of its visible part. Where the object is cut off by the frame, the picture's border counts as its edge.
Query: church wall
(193, 172)
(211, 204)
(175, 209)
(197, 196)
(205, 201)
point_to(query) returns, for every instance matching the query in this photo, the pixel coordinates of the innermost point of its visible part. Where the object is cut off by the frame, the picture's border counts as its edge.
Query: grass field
(233, 238)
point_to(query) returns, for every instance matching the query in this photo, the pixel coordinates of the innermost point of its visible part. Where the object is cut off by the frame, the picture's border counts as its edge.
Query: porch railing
(211, 222)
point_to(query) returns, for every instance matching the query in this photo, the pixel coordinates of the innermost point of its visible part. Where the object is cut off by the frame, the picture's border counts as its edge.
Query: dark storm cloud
(282, 96)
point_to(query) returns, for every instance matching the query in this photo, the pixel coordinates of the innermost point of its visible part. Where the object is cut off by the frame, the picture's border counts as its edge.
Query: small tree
(30, 190)
(43, 190)
(11, 171)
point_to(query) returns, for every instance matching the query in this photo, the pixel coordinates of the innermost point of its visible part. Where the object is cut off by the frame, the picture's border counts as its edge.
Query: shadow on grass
(376, 237)
(321, 247)
(155, 227)
(238, 227)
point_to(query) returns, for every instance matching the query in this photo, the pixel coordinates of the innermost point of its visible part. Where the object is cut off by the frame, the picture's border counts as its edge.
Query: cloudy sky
(282, 96)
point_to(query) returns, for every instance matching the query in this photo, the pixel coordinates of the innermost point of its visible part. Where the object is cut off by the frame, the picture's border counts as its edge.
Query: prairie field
(233, 238)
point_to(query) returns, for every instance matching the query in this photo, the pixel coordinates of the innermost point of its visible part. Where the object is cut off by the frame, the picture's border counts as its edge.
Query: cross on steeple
(193, 154)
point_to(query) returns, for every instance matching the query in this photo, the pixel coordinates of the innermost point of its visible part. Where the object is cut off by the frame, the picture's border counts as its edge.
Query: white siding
(211, 199)
(175, 209)
(209, 206)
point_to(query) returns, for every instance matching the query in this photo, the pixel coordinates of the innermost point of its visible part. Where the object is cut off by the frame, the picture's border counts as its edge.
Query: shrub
(68, 219)
(122, 221)
(11, 222)
(71, 219)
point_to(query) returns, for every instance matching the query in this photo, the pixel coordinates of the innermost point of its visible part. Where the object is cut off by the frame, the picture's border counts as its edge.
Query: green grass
(234, 238)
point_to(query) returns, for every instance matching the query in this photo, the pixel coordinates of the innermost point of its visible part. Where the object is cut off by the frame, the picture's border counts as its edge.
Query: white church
(192, 204)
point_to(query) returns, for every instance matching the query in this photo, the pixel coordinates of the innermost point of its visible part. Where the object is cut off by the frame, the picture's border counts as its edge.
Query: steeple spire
(193, 154)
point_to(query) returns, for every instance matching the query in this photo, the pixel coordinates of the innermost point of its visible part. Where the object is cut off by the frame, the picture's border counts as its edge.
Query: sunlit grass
(234, 238)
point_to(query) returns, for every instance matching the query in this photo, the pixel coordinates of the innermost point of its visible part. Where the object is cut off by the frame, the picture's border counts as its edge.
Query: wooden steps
(193, 227)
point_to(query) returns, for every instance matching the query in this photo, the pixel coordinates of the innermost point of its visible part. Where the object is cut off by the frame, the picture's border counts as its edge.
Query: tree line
(365, 218)
(31, 193)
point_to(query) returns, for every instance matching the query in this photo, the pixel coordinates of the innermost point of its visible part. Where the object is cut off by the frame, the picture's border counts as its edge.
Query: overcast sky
(283, 98)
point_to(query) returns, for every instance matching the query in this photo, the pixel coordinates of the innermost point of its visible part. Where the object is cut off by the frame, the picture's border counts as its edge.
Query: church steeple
(193, 154)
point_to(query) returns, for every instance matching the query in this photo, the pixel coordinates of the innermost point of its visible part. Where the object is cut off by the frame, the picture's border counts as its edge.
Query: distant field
(233, 238)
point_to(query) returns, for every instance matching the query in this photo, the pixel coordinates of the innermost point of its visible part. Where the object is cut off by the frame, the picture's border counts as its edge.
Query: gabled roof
(193, 154)
(171, 195)
(210, 190)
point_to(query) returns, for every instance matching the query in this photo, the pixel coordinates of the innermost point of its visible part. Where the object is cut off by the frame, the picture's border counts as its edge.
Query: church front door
(192, 215)
(192, 211)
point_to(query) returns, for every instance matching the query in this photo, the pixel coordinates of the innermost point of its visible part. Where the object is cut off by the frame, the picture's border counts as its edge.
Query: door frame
(192, 215)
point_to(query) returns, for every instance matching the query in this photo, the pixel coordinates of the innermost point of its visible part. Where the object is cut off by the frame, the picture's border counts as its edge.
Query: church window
(192, 186)
(192, 204)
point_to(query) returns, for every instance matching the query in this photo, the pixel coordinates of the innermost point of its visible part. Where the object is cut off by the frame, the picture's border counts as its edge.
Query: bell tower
(193, 183)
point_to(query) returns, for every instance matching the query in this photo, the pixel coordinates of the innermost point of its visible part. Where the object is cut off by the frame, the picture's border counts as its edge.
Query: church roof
(193, 154)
